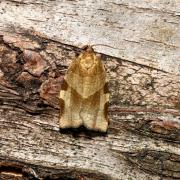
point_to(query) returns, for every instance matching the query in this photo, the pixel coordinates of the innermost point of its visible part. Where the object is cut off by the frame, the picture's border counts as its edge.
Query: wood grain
(143, 138)
(145, 32)
(39, 40)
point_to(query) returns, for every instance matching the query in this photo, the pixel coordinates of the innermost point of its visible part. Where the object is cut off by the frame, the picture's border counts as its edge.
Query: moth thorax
(88, 64)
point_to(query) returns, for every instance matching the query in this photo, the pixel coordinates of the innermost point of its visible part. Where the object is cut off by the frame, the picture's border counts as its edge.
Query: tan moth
(84, 93)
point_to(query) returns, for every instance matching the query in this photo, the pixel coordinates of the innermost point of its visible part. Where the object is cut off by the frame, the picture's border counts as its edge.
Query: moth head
(88, 60)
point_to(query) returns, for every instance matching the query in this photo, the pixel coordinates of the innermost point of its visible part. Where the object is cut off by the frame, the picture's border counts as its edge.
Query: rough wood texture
(143, 138)
(146, 32)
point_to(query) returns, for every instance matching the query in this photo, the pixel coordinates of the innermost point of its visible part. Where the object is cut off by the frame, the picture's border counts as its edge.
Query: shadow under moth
(84, 93)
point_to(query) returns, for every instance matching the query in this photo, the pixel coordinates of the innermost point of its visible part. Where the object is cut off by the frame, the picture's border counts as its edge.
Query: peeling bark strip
(21, 171)
(145, 32)
(83, 95)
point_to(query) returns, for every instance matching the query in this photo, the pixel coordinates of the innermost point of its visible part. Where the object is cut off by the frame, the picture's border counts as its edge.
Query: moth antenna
(102, 45)
(87, 48)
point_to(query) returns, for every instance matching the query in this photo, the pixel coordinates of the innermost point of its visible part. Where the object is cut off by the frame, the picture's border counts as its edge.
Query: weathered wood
(146, 32)
(143, 138)
(30, 83)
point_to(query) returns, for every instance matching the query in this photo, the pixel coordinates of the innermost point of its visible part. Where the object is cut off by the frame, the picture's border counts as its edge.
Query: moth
(84, 94)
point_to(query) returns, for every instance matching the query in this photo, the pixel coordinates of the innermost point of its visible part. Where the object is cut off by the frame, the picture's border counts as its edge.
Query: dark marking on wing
(64, 85)
(62, 105)
(106, 111)
(106, 88)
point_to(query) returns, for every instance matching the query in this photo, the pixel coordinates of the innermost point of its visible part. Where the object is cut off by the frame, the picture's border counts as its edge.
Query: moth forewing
(84, 101)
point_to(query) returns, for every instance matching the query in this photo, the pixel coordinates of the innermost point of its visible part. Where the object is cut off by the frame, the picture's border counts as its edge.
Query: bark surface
(38, 41)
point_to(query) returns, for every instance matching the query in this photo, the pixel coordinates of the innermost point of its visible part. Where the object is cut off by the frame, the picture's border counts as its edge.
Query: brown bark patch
(49, 91)
(35, 64)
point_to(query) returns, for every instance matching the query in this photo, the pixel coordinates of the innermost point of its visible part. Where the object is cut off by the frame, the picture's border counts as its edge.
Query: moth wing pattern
(84, 94)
